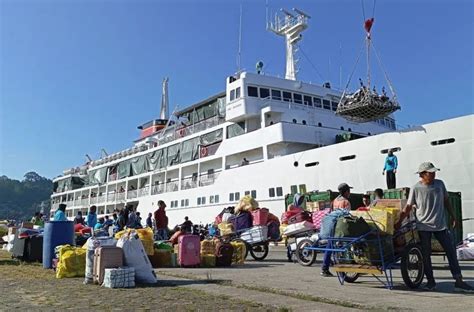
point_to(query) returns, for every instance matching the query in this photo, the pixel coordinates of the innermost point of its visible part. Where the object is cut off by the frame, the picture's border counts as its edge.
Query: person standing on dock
(161, 221)
(431, 200)
(92, 217)
(390, 166)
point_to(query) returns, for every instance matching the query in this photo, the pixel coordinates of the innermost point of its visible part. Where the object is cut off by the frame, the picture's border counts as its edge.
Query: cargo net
(365, 105)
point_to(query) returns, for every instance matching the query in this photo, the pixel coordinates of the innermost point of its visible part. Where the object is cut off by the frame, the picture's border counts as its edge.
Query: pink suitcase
(189, 250)
(260, 216)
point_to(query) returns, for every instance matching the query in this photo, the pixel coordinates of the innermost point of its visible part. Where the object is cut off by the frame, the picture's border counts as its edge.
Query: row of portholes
(319, 125)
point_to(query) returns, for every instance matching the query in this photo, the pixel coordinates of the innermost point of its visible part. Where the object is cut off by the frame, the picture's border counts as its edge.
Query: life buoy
(203, 151)
(181, 132)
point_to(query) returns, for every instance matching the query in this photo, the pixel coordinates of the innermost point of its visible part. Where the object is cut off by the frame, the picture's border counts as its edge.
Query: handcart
(376, 254)
(255, 239)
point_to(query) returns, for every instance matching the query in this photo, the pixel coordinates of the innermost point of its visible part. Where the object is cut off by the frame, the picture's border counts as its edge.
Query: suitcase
(299, 217)
(224, 253)
(19, 248)
(189, 250)
(34, 248)
(260, 216)
(123, 277)
(105, 258)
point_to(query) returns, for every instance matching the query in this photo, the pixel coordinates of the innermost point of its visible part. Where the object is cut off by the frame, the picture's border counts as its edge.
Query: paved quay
(279, 283)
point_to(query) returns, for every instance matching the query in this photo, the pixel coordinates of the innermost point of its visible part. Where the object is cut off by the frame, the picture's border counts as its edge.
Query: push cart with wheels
(376, 254)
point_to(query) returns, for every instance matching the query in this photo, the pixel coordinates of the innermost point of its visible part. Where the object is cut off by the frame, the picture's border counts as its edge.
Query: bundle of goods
(228, 210)
(295, 215)
(297, 228)
(369, 252)
(72, 261)
(226, 228)
(240, 249)
(123, 277)
(246, 203)
(208, 253)
(90, 246)
(145, 235)
(318, 216)
(241, 221)
(260, 216)
(465, 251)
(351, 226)
(318, 205)
(161, 258)
(224, 254)
(380, 217)
(135, 256)
(189, 251)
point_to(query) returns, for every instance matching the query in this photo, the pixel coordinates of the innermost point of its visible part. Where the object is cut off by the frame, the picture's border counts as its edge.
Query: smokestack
(164, 100)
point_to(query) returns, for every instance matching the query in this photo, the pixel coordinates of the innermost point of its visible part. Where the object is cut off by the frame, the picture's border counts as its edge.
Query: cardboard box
(27, 225)
(391, 203)
(384, 219)
(318, 205)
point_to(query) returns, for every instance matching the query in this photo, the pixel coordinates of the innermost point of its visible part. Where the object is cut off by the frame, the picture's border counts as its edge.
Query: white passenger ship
(266, 137)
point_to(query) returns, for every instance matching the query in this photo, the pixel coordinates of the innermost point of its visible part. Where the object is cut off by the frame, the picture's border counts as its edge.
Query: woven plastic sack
(72, 262)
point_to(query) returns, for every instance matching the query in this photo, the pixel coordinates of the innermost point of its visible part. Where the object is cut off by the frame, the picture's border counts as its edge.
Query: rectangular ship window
(334, 106)
(199, 200)
(211, 199)
(231, 197)
(247, 193)
(308, 100)
(276, 95)
(237, 93)
(254, 194)
(232, 95)
(264, 93)
(326, 104)
(294, 189)
(286, 96)
(297, 98)
(237, 195)
(216, 199)
(279, 191)
(317, 102)
(252, 91)
(271, 192)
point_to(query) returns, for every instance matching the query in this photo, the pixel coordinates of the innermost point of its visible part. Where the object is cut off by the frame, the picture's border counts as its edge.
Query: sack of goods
(350, 226)
(465, 253)
(208, 247)
(247, 203)
(372, 251)
(123, 277)
(208, 261)
(238, 257)
(299, 227)
(382, 218)
(136, 257)
(255, 234)
(224, 253)
(72, 262)
(318, 216)
(161, 258)
(226, 228)
(145, 235)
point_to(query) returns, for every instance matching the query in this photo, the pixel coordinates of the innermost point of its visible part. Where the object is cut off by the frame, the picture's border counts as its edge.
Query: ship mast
(164, 100)
(291, 28)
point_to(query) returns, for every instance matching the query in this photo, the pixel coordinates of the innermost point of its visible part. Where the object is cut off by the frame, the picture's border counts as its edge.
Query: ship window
(297, 98)
(334, 106)
(264, 93)
(216, 199)
(211, 199)
(199, 200)
(252, 91)
(237, 195)
(317, 102)
(276, 95)
(308, 100)
(304, 122)
(237, 93)
(186, 202)
(271, 192)
(176, 203)
(286, 96)
(294, 189)
(279, 191)
(342, 128)
(394, 149)
(320, 124)
(441, 142)
(232, 95)
(326, 104)
(312, 164)
(172, 204)
(231, 197)
(294, 120)
(203, 200)
(247, 193)
(350, 130)
(344, 158)
(182, 202)
(254, 194)
(302, 188)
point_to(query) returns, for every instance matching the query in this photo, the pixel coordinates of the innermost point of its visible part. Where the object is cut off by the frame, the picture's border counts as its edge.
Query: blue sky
(78, 76)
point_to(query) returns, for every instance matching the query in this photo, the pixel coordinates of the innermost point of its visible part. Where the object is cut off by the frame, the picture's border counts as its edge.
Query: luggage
(369, 253)
(255, 234)
(224, 253)
(227, 216)
(208, 247)
(105, 258)
(91, 244)
(328, 223)
(72, 262)
(242, 221)
(274, 230)
(123, 277)
(289, 214)
(465, 253)
(189, 248)
(238, 256)
(34, 248)
(161, 258)
(350, 226)
(18, 249)
(208, 261)
(318, 217)
(226, 228)
(299, 227)
(299, 217)
(260, 216)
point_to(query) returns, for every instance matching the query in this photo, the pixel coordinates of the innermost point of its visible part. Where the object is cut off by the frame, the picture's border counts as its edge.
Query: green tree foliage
(20, 199)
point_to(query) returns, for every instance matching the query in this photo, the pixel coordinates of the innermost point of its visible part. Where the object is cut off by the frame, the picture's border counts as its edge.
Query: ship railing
(208, 179)
(70, 203)
(54, 206)
(121, 196)
(188, 183)
(111, 197)
(209, 150)
(93, 200)
(144, 191)
(101, 199)
(132, 194)
(172, 186)
(85, 201)
(157, 189)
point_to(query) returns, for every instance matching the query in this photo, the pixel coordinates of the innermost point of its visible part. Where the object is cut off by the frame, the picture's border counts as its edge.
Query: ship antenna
(164, 100)
(240, 41)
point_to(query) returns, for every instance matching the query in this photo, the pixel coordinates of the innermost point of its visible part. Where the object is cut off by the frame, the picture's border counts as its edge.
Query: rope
(385, 73)
(373, 9)
(311, 63)
(363, 9)
(350, 76)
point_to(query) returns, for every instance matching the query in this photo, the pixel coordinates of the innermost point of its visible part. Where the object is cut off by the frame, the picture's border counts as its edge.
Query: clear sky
(77, 76)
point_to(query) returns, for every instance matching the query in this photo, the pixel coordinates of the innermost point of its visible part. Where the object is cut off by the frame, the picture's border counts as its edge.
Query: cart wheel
(348, 277)
(259, 252)
(247, 247)
(305, 257)
(412, 266)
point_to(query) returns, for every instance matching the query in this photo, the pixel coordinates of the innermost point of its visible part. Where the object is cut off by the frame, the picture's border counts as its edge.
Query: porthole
(295, 164)
(304, 122)
(294, 120)
(350, 130)
(444, 141)
(393, 149)
(312, 164)
(320, 124)
(342, 128)
(344, 158)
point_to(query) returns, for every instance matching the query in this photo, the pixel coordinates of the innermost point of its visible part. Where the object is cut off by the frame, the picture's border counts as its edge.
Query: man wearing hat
(430, 199)
(341, 202)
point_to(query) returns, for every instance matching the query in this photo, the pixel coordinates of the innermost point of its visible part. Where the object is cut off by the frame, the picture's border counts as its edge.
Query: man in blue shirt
(92, 217)
(59, 215)
(391, 164)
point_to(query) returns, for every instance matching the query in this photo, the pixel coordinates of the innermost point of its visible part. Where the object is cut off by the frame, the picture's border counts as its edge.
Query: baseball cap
(428, 167)
(344, 187)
